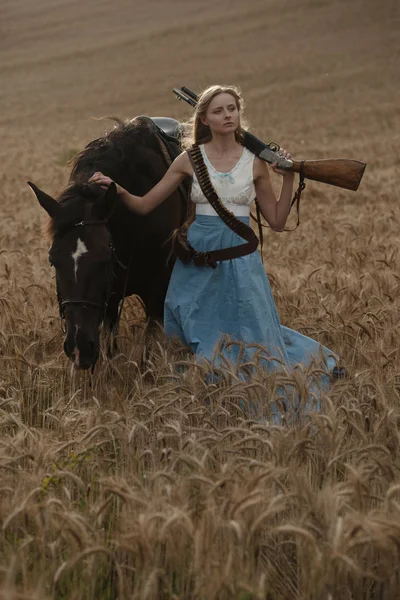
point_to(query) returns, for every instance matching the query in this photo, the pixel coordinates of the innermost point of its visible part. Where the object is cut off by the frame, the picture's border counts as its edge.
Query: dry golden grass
(151, 484)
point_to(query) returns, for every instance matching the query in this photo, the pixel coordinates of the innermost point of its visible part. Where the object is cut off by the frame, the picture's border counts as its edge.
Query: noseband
(101, 306)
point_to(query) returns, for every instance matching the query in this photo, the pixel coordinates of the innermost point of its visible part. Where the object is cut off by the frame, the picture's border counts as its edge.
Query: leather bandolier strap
(239, 227)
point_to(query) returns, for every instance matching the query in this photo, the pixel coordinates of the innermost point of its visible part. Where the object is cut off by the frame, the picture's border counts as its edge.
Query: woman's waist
(239, 210)
(207, 233)
(215, 222)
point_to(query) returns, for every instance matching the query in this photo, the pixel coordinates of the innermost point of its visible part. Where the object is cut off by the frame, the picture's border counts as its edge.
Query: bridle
(101, 306)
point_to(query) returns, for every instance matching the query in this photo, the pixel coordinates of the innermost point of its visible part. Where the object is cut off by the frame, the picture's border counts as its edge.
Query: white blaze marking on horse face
(80, 251)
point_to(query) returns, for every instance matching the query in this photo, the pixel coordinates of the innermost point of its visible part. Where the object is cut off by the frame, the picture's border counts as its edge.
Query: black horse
(101, 251)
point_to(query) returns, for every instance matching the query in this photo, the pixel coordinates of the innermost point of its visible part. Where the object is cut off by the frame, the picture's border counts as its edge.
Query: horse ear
(51, 206)
(109, 200)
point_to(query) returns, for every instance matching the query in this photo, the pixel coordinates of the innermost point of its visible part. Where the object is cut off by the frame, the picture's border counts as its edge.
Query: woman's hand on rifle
(284, 154)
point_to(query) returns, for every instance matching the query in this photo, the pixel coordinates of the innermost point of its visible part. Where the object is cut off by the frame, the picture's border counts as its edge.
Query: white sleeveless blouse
(233, 188)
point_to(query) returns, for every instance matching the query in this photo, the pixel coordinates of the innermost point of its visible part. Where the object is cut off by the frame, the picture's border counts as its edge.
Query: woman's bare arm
(274, 211)
(142, 205)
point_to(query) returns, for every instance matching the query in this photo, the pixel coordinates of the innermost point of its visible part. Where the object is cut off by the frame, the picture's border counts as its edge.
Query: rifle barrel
(190, 93)
(182, 96)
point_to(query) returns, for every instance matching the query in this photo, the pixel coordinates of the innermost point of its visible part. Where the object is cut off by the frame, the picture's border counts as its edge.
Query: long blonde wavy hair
(195, 132)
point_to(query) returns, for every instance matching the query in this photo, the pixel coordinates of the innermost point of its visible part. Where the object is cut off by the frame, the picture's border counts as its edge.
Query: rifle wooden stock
(342, 172)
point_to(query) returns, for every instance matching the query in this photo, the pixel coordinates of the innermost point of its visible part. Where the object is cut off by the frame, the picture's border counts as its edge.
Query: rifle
(342, 172)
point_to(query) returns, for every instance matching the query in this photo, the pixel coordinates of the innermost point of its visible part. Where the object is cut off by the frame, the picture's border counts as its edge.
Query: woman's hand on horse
(104, 181)
(284, 154)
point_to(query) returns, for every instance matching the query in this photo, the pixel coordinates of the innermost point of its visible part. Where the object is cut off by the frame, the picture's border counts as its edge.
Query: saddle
(171, 127)
(168, 133)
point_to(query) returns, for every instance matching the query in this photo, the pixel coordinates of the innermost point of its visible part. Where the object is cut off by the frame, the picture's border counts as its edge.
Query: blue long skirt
(203, 305)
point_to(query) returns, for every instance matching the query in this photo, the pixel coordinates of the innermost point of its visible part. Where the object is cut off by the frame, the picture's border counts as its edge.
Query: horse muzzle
(82, 351)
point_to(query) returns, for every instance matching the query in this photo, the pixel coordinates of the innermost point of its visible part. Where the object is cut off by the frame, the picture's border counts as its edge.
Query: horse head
(82, 255)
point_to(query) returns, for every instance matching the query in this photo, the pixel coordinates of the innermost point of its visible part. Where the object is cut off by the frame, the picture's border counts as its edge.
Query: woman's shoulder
(249, 154)
(260, 168)
(182, 164)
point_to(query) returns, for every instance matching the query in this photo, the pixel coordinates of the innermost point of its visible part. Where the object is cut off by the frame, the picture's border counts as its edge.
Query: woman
(203, 304)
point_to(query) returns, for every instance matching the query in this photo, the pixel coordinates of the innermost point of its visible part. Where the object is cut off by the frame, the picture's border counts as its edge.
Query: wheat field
(143, 481)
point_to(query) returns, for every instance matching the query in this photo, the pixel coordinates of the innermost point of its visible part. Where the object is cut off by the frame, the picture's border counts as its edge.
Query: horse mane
(129, 144)
(110, 153)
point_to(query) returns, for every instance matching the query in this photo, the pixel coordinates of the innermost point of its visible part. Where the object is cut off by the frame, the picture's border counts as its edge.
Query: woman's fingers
(100, 179)
(277, 170)
(285, 153)
(95, 176)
